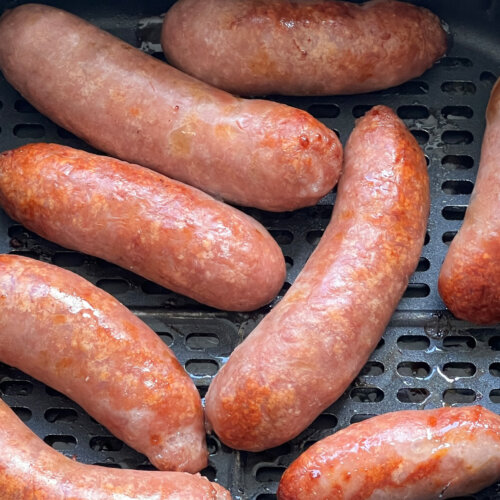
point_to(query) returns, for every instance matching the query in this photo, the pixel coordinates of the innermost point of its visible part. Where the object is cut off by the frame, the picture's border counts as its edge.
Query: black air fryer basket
(426, 358)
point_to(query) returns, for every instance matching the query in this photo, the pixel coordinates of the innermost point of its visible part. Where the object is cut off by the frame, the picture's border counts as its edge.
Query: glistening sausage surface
(469, 281)
(304, 47)
(139, 109)
(415, 455)
(32, 470)
(308, 349)
(163, 230)
(74, 337)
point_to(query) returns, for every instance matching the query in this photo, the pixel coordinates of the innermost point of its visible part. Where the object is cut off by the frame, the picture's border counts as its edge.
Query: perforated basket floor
(426, 359)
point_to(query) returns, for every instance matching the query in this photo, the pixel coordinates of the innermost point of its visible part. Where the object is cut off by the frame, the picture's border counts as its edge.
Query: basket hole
(24, 106)
(18, 231)
(63, 415)
(324, 422)
(423, 265)
(451, 396)
(495, 396)
(494, 343)
(487, 77)
(105, 443)
(455, 62)
(61, 443)
(413, 112)
(202, 340)
(457, 112)
(380, 344)
(212, 445)
(412, 395)
(23, 413)
(16, 387)
(456, 343)
(68, 259)
(372, 369)
(166, 337)
(266, 496)
(457, 162)
(457, 137)
(114, 286)
(65, 134)
(415, 369)
(417, 291)
(151, 288)
(459, 370)
(458, 87)
(202, 367)
(359, 417)
(413, 342)
(457, 187)
(209, 472)
(267, 474)
(203, 389)
(448, 237)
(324, 110)
(367, 395)
(427, 238)
(29, 131)
(111, 465)
(409, 88)
(53, 392)
(288, 262)
(282, 236)
(454, 212)
(361, 110)
(313, 237)
(421, 135)
(495, 369)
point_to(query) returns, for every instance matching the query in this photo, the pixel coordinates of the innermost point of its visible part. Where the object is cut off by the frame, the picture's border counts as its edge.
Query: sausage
(32, 470)
(415, 455)
(139, 109)
(308, 349)
(74, 337)
(469, 280)
(304, 47)
(163, 230)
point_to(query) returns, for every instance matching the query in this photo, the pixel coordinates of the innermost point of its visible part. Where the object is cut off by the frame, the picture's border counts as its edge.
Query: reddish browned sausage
(32, 470)
(309, 348)
(163, 230)
(137, 108)
(415, 455)
(469, 281)
(304, 47)
(74, 337)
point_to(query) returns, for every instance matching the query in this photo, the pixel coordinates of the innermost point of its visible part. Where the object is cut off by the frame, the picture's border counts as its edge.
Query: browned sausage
(469, 281)
(309, 348)
(301, 47)
(74, 337)
(415, 455)
(32, 470)
(163, 230)
(139, 109)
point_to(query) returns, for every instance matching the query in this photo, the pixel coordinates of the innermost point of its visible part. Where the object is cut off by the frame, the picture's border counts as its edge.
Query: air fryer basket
(426, 359)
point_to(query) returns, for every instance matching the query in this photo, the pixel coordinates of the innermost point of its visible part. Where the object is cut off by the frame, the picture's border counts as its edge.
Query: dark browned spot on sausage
(304, 141)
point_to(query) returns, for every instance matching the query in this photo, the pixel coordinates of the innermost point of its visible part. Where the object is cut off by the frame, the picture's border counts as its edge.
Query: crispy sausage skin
(134, 107)
(308, 349)
(415, 455)
(469, 281)
(74, 337)
(32, 470)
(163, 230)
(304, 47)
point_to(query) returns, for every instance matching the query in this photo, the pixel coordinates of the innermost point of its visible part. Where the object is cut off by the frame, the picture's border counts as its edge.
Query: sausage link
(304, 47)
(163, 230)
(74, 337)
(32, 470)
(139, 109)
(469, 281)
(415, 455)
(308, 349)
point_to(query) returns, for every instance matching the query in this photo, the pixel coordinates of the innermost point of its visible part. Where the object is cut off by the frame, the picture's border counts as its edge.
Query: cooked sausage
(308, 349)
(304, 47)
(163, 230)
(415, 455)
(32, 470)
(469, 281)
(139, 109)
(74, 337)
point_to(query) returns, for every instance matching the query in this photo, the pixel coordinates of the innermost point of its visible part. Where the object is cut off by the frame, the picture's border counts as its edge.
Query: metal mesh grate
(426, 358)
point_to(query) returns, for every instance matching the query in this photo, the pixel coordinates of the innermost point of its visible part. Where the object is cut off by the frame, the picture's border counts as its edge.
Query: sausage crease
(74, 337)
(309, 348)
